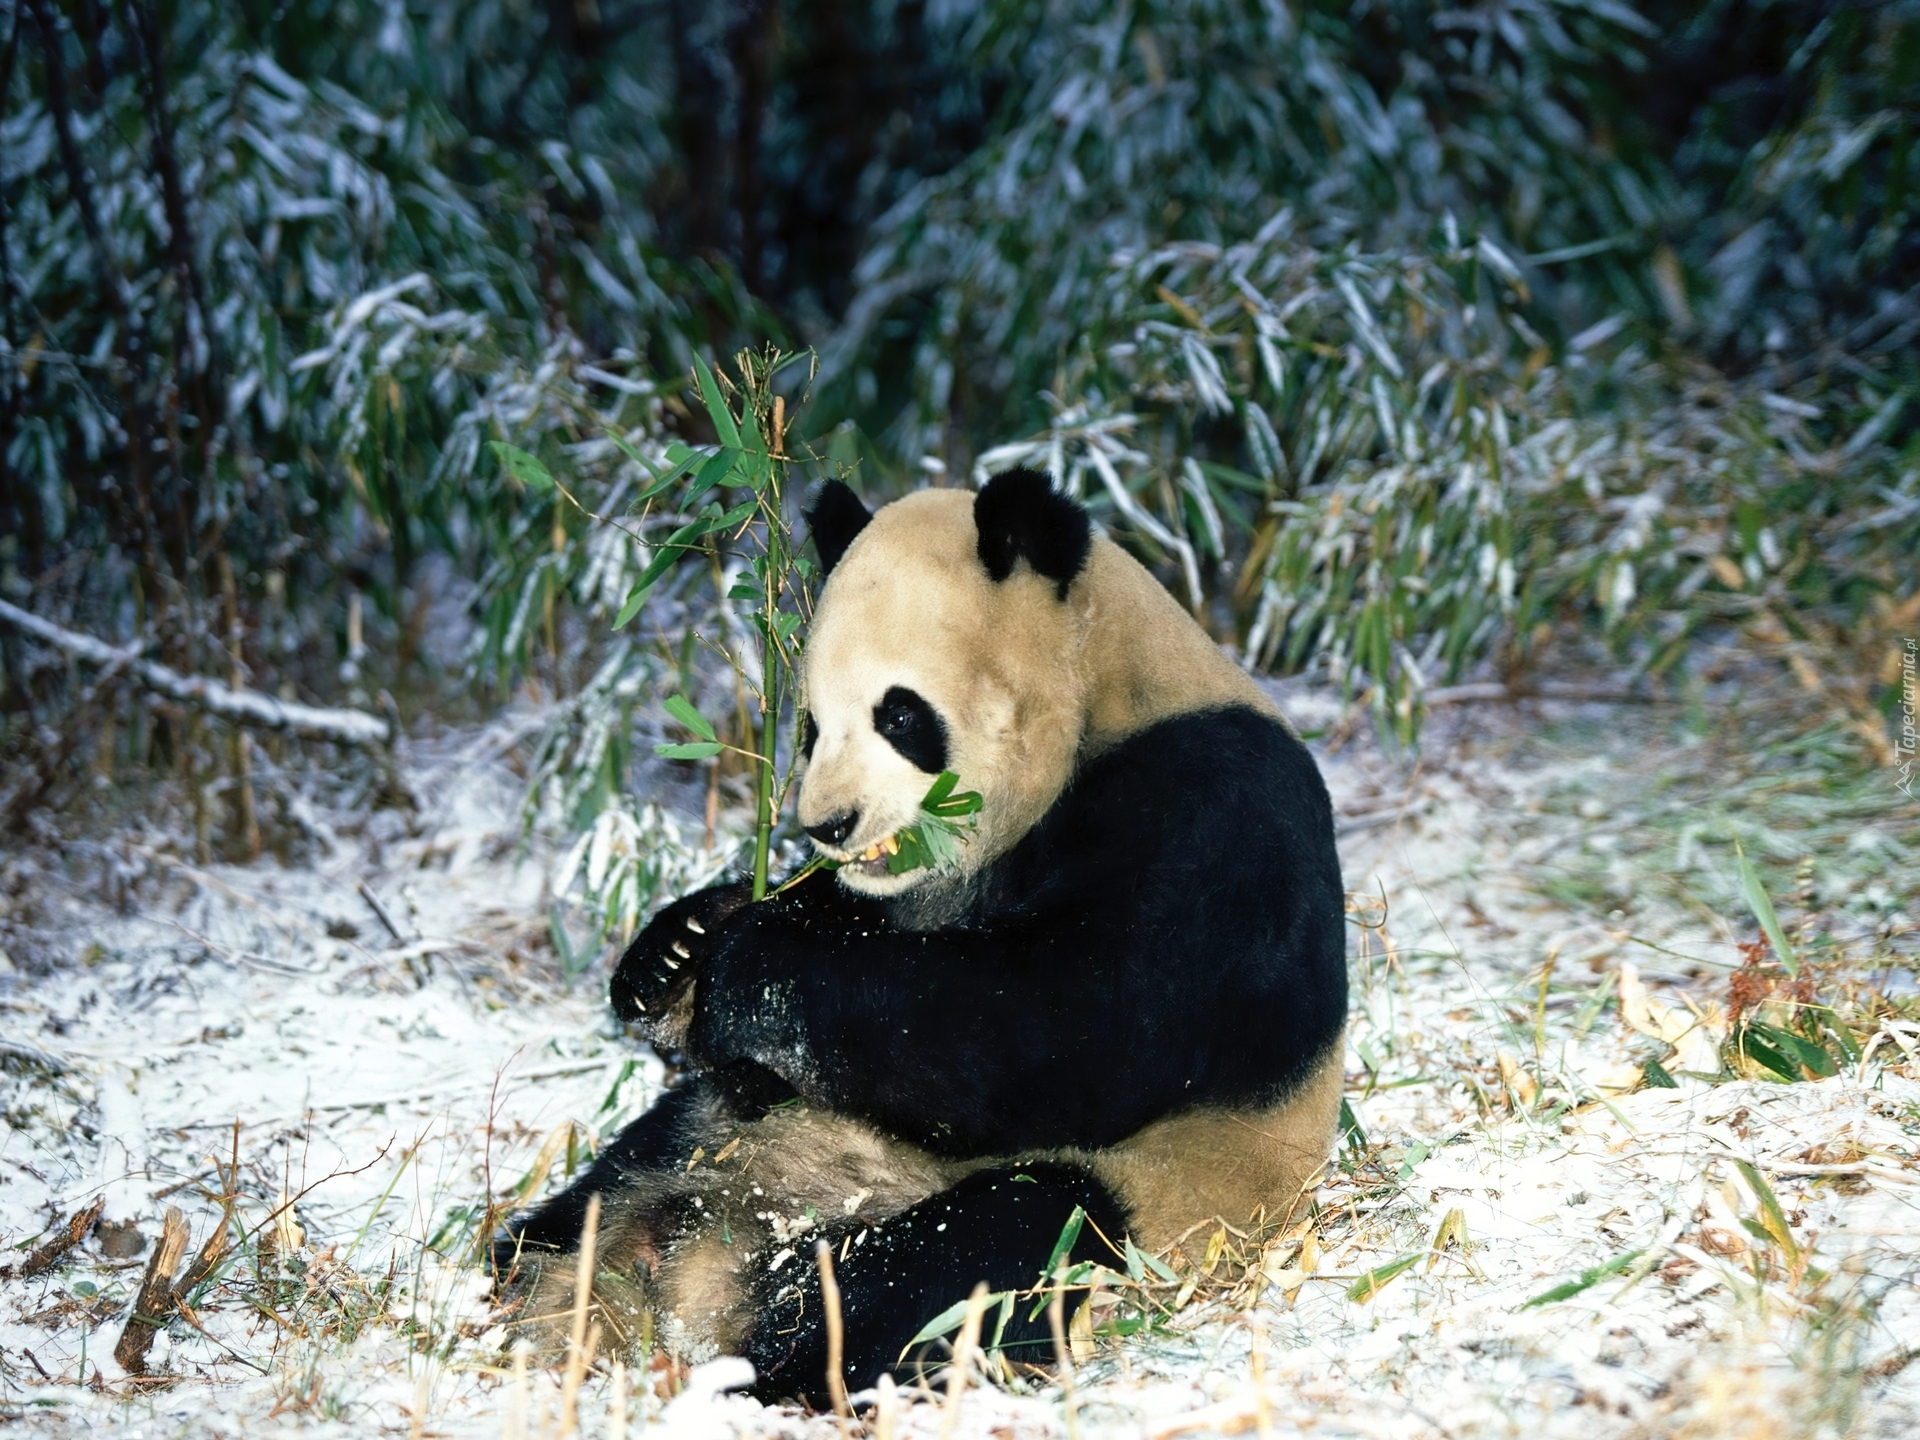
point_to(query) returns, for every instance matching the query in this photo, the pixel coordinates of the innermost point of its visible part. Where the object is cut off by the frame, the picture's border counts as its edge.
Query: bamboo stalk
(241, 753)
(769, 711)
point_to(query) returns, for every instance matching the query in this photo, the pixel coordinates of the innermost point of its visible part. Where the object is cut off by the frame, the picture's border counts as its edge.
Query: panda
(1127, 997)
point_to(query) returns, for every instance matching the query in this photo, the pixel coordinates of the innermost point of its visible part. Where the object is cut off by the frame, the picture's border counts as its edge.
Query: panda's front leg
(653, 985)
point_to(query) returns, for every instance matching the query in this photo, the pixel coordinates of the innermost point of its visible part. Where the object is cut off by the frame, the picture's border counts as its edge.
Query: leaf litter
(1607, 1167)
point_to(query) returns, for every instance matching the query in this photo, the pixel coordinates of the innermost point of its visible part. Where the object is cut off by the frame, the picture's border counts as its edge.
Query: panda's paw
(666, 957)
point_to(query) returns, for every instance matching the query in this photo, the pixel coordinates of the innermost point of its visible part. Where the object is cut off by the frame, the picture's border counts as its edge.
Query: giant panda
(1128, 996)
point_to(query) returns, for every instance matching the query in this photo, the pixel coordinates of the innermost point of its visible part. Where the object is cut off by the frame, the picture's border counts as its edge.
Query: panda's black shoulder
(1194, 807)
(1189, 765)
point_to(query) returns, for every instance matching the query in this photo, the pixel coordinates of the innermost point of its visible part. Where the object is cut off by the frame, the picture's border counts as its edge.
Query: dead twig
(380, 913)
(582, 1341)
(1062, 1354)
(963, 1349)
(836, 1337)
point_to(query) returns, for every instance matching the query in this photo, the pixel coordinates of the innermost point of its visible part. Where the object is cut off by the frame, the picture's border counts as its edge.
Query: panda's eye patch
(809, 735)
(914, 728)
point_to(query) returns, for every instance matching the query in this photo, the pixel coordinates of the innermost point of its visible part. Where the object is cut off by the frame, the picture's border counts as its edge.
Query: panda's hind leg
(998, 1225)
(659, 1140)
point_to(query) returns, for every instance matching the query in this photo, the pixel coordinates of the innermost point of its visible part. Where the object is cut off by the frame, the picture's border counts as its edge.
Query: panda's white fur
(1030, 685)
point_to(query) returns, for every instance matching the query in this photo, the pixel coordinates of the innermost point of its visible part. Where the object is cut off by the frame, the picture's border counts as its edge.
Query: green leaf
(636, 597)
(613, 1093)
(941, 800)
(716, 469)
(1771, 1215)
(521, 466)
(912, 854)
(1000, 1325)
(682, 710)
(1585, 1280)
(1656, 1077)
(1355, 1137)
(1063, 1247)
(1762, 907)
(949, 1319)
(663, 480)
(701, 750)
(1375, 1280)
(717, 411)
(1805, 1052)
(562, 943)
(1754, 1044)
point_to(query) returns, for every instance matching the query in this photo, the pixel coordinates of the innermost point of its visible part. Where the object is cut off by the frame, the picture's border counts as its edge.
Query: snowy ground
(387, 1081)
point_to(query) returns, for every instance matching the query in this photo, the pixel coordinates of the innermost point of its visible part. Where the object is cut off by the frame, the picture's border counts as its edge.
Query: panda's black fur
(1160, 955)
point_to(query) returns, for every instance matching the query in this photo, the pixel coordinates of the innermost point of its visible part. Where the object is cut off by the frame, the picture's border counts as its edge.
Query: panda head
(947, 637)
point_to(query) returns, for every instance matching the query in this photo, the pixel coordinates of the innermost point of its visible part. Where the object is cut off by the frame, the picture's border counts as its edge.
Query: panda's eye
(914, 728)
(809, 735)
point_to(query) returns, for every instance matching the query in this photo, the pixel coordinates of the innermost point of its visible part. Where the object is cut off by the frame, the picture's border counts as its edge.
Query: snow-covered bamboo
(235, 703)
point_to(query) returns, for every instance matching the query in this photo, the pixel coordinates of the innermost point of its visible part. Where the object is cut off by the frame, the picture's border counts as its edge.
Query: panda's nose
(835, 828)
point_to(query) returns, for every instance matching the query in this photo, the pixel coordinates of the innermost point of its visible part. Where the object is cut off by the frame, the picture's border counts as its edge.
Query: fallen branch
(234, 703)
(65, 1237)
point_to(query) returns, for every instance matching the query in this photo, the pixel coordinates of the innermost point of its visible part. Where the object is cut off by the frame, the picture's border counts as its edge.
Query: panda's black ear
(1021, 516)
(834, 519)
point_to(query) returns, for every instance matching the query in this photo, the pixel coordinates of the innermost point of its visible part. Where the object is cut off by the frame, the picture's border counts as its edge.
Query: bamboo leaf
(1062, 1247)
(1762, 906)
(523, 467)
(636, 597)
(682, 710)
(949, 1319)
(716, 469)
(1376, 1280)
(1585, 1280)
(701, 750)
(723, 424)
(1771, 1215)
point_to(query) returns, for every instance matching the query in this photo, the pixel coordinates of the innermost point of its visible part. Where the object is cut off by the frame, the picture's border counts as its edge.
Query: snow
(387, 1084)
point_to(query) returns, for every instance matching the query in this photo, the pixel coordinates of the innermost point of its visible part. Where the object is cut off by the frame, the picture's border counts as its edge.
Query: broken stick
(155, 1301)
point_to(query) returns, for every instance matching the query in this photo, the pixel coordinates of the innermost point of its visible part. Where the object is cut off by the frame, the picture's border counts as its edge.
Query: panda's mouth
(873, 860)
(870, 862)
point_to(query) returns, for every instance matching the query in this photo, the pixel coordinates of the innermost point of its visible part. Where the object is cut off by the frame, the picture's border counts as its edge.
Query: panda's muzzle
(835, 828)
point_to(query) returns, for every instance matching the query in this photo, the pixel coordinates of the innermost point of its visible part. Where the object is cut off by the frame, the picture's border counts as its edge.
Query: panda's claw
(695, 926)
(670, 964)
(681, 950)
